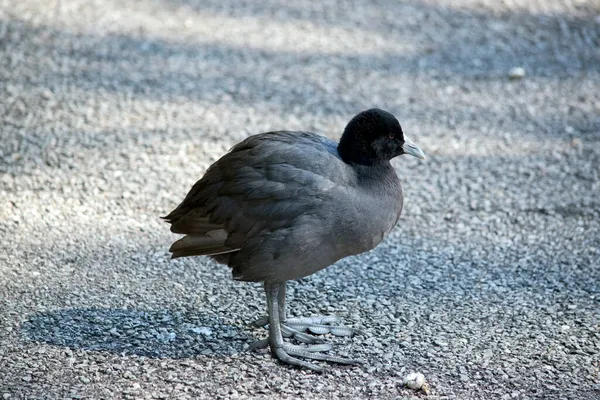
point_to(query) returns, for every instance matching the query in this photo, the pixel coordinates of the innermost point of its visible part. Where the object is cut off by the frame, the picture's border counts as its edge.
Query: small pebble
(516, 73)
(414, 380)
(203, 330)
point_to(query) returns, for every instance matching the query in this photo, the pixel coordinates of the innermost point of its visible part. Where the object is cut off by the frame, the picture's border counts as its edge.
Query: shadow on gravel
(155, 334)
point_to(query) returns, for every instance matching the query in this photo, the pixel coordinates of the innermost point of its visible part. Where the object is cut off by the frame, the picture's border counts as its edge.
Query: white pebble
(203, 330)
(516, 73)
(414, 380)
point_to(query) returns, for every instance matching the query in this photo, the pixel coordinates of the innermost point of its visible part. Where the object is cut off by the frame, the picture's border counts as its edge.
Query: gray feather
(286, 206)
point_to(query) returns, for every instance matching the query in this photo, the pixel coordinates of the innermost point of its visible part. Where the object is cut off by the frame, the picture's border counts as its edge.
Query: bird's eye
(391, 136)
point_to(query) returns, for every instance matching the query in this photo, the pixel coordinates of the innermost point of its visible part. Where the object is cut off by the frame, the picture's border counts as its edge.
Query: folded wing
(261, 186)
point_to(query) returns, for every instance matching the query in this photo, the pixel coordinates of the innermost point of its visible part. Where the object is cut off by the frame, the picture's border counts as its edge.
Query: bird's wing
(262, 185)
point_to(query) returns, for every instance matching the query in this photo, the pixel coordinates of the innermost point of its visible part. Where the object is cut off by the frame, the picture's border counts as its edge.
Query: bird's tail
(210, 244)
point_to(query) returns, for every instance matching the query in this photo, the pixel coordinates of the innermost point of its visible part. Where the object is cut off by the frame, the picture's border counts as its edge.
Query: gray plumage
(284, 205)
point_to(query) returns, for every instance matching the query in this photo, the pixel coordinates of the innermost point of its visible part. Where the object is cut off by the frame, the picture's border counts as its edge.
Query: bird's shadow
(155, 334)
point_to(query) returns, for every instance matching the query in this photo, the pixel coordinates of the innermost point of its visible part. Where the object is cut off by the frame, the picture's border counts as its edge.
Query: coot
(284, 205)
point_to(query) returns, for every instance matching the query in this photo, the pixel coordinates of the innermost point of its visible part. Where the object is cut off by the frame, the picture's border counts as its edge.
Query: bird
(282, 205)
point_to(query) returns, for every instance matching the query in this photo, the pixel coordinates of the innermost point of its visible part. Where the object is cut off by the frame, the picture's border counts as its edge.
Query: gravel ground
(111, 110)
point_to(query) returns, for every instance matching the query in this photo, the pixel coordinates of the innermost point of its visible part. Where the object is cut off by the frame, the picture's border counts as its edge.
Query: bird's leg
(281, 301)
(314, 344)
(303, 329)
(264, 321)
(286, 352)
(291, 331)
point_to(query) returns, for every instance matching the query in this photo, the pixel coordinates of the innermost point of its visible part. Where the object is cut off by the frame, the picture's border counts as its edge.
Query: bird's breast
(366, 222)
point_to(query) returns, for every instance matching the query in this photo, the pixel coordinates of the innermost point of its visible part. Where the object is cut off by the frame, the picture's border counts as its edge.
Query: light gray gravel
(111, 110)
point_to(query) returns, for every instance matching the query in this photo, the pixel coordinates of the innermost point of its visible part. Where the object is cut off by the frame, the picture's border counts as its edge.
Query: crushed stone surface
(111, 110)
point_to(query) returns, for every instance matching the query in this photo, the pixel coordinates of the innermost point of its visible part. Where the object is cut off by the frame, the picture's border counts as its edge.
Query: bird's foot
(320, 326)
(304, 329)
(290, 353)
(313, 348)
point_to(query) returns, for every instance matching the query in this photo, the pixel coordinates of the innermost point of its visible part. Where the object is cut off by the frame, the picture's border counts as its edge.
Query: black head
(371, 137)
